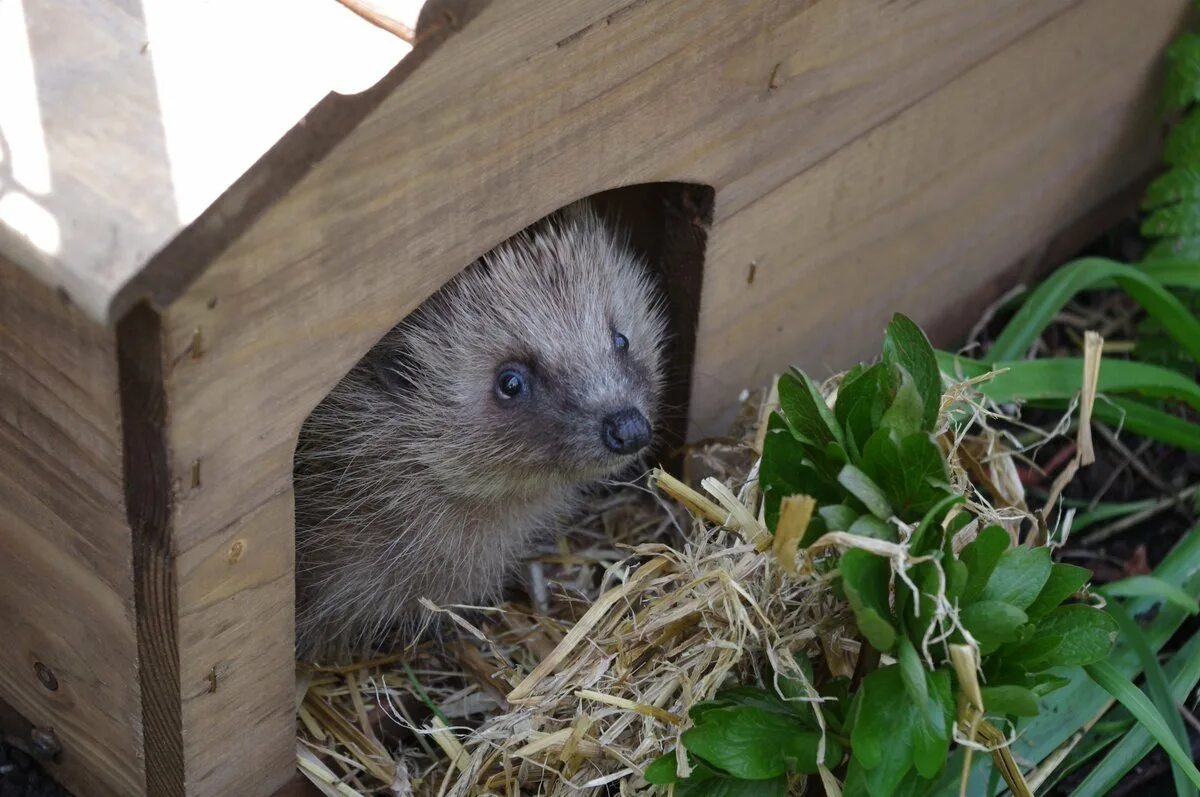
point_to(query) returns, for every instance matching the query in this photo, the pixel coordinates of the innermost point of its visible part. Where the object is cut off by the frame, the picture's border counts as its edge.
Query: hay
(649, 607)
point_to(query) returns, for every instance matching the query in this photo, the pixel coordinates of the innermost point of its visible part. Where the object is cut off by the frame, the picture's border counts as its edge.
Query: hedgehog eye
(620, 343)
(510, 383)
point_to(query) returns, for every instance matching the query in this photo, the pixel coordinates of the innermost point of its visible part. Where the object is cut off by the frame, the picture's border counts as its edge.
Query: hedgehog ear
(391, 369)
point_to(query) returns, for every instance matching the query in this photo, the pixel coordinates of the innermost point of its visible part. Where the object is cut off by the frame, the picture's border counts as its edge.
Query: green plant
(883, 531)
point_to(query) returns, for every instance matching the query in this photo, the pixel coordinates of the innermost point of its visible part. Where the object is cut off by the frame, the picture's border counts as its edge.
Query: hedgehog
(471, 430)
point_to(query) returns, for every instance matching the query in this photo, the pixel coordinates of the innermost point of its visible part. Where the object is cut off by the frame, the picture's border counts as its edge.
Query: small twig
(1188, 716)
(990, 312)
(382, 21)
(1117, 471)
(1104, 532)
(1134, 461)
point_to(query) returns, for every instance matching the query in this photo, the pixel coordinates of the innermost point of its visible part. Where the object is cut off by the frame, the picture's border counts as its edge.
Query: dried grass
(646, 609)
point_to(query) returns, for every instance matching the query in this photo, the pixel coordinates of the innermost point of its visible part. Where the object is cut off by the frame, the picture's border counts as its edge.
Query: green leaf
(865, 579)
(926, 536)
(981, 556)
(707, 782)
(809, 418)
(1183, 142)
(785, 471)
(911, 474)
(891, 735)
(1044, 683)
(753, 744)
(904, 416)
(1019, 576)
(912, 674)
(1087, 635)
(933, 726)
(662, 771)
(1183, 72)
(1173, 221)
(861, 487)
(1168, 248)
(1174, 186)
(904, 344)
(1151, 587)
(882, 735)
(838, 517)
(1064, 581)
(1014, 700)
(1043, 304)
(731, 787)
(871, 526)
(993, 623)
(1160, 690)
(1132, 698)
(853, 409)
(755, 697)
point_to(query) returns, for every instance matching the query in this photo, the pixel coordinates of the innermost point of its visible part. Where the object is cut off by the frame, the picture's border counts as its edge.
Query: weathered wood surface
(531, 106)
(929, 213)
(68, 643)
(118, 126)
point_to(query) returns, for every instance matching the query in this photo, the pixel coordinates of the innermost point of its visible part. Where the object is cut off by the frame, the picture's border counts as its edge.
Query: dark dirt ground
(20, 776)
(1128, 468)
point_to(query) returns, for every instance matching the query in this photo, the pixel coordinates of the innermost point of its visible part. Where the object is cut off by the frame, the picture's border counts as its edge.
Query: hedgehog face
(577, 411)
(541, 365)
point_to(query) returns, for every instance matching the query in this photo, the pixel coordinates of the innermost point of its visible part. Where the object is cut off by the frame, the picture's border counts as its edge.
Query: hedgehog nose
(625, 431)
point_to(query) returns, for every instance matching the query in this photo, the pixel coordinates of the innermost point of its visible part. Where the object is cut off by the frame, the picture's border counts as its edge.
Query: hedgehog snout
(625, 431)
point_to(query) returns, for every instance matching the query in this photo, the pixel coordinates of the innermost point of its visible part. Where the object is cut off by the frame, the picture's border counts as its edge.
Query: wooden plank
(120, 128)
(69, 658)
(147, 482)
(925, 213)
(493, 132)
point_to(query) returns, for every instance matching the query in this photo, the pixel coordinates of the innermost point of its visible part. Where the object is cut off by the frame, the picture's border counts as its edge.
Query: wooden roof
(122, 121)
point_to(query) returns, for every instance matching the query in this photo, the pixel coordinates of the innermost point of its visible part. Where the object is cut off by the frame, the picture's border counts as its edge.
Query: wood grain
(66, 571)
(927, 211)
(148, 508)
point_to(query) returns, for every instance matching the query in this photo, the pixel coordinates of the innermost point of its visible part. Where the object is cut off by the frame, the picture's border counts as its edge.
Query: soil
(20, 776)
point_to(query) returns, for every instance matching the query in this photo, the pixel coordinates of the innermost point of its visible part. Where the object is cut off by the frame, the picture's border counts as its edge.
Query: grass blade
(1087, 274)
(1136, 744)
(1132, 698)
(1108, 511)
(1060, 378)
(1063, 383)
(1174, 272)
(1140, 418)
(1159, 689)
(1151, 587)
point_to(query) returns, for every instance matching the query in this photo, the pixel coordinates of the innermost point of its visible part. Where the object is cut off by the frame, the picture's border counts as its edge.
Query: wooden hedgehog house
(198, 239)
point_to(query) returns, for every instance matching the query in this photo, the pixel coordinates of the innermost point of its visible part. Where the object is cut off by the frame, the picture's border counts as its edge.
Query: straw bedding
(658, 598)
